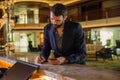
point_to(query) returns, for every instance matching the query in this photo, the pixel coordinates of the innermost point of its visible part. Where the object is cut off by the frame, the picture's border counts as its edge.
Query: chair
(31, 48)
(104, 53)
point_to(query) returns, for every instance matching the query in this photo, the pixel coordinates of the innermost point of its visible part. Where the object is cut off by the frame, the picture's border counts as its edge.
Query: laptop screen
(20, 71)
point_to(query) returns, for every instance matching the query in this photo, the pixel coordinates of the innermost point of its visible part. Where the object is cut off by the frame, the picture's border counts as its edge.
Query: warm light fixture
(50, 2)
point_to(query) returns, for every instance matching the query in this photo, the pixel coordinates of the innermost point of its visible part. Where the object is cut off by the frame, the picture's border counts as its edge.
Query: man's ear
(65, 17)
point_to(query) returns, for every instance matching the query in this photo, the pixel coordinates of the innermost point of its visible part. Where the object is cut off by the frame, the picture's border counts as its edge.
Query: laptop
(20, 71)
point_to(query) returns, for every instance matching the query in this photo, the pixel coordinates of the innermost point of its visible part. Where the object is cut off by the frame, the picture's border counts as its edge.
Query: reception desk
(74, 72)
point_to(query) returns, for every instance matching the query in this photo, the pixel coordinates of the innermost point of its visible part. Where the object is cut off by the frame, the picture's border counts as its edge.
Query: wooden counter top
(76, 72)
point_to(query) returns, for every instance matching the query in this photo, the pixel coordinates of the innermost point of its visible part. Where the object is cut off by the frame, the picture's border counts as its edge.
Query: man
(64, 37)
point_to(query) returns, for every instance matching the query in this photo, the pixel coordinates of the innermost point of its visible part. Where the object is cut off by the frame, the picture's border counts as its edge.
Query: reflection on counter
(44, 78)
(40, 74)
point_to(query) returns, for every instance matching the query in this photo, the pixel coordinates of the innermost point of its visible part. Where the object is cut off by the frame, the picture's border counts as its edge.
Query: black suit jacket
(73, 43)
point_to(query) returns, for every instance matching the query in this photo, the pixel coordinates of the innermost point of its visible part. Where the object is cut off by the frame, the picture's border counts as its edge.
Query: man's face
(57, 21)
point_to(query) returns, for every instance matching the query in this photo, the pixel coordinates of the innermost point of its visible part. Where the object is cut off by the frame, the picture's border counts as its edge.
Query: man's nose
(54, 22)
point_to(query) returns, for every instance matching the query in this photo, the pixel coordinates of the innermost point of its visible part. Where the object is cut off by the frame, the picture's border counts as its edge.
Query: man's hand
(39, 59)
(59, 60)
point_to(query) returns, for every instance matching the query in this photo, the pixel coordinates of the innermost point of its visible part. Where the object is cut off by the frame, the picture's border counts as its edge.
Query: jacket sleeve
(79, 47)
(45, 51)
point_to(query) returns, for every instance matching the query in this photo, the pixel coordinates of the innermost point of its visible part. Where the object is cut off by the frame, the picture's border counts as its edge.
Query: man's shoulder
(48, 26)
(72, 23)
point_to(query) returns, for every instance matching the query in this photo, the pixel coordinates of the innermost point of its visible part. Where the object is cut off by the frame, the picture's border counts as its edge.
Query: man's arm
(46, 47)
(79, 47)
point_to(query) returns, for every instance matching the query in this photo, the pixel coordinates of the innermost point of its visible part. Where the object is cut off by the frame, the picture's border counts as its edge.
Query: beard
(57, 26)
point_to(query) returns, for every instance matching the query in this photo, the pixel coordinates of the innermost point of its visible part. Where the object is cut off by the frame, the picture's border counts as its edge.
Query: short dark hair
(59, 9)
